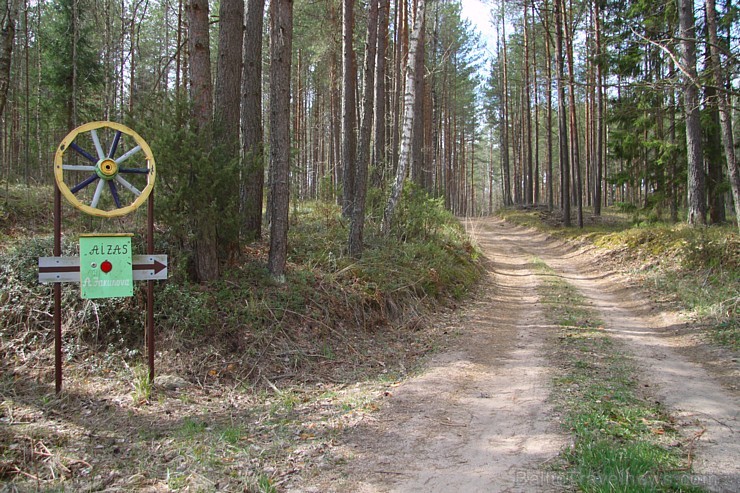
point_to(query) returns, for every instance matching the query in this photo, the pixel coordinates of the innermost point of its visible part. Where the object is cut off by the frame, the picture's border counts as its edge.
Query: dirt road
(477, 418)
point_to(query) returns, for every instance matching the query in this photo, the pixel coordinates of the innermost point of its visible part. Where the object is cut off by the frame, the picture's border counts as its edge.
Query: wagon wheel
(126, 169)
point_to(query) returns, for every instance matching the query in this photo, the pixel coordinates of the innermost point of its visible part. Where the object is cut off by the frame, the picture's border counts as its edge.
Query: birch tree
(410, 100)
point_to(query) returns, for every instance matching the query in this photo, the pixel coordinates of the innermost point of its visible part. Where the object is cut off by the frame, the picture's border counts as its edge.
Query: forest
(405, 252)
(250, 107)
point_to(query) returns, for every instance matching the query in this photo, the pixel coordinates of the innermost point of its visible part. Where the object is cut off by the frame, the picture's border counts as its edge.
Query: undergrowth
(622, 441)
(244, 325)
(697, 268)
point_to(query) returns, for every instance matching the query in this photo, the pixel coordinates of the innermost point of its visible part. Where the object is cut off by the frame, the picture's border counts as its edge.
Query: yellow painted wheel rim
(122, 170)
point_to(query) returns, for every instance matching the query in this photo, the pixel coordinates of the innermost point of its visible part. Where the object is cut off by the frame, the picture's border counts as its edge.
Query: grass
(697, 269)
(622, 441)
(142, 385)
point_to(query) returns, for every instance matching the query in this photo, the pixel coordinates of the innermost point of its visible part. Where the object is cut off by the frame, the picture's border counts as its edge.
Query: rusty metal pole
(150, 289)
(57, 291)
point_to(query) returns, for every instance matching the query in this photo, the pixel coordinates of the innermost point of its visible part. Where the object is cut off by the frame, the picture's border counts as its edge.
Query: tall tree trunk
(599, 148)
(74, 82)
(179, 54)
(417, 144)
(228, 73)
(379, 153)
(335, 102)
(562, 114)
(548, 68)
(206, 243)
(226, 114)
(349, 111)
(357, 223)
(575, 146)
(505, 164)
(536, 156)
(281, 40)
(527, 114)
(472, 173)
(713, 156)
(400, 53)
(490, 172)
(253, 161)
(673, 180)
(7, 35)
(725, 116)
(696, 181)
(408, 116)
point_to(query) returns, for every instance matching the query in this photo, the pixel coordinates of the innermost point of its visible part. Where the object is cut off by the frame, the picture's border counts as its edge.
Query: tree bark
(527, 114)
(599, 148)
(229, 72)
(562, 114)
(417, 134)
(575, 147)
(696, 181)
(548, 68)
(410, 101)
(713, 155)
(357, 223)
(281, 40)
(7, 35)
(349, 112)
(201, 87)
(206, 243)
(536, 156)
(380, 151)
(227, 95)
(725, 117)
(505, 164)
(253, 161)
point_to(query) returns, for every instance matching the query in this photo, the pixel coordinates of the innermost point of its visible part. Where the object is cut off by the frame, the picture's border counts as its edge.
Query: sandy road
(477, 418)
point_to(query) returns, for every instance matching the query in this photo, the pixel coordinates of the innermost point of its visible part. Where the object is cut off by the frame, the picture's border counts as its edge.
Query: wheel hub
(107, 169)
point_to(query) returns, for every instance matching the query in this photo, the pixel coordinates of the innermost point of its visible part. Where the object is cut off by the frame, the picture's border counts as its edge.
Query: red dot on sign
(106, 266)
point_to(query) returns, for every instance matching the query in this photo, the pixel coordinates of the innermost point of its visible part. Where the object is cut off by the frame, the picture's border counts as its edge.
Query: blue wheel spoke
(85, 183)
(114, 146)
(83, 153)
(140, 171)
(114, 192)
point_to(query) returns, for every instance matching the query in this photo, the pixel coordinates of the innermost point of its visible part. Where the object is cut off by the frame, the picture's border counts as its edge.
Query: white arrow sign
(67, 269)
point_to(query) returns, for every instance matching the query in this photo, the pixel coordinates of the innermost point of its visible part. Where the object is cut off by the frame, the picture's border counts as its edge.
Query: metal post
(150, 289)
(57, 291)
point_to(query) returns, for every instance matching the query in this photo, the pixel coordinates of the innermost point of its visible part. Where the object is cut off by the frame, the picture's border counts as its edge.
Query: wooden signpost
(109, 182)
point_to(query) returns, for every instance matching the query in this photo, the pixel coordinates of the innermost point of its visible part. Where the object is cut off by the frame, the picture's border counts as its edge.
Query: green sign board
(106, 267)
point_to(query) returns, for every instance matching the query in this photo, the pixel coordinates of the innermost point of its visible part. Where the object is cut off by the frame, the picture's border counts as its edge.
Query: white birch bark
(409, 103)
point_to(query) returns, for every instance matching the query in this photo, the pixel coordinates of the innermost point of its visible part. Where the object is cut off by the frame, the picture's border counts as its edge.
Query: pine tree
(281, 44)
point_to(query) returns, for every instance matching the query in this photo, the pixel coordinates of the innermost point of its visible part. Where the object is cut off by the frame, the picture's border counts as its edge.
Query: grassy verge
(697, 269)
(622, 441)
